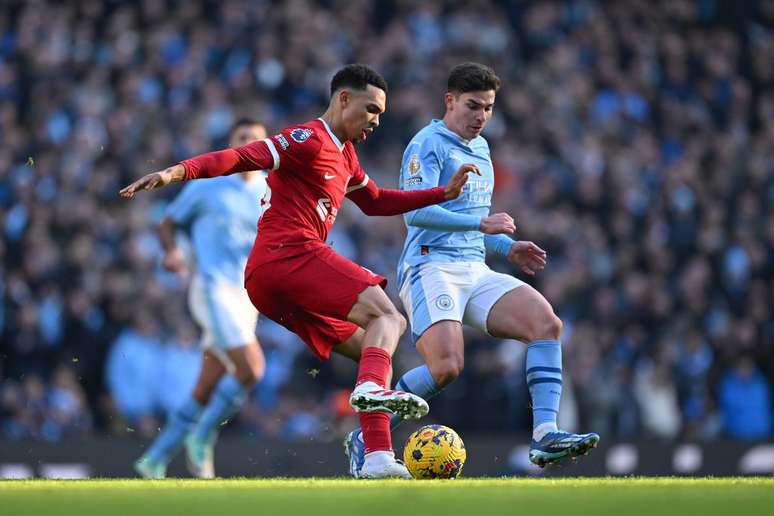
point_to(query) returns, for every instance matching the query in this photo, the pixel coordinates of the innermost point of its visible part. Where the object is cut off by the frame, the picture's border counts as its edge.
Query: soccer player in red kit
(297, 280)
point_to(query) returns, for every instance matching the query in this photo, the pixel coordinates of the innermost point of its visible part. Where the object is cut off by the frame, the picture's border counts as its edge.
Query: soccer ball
(434, 451)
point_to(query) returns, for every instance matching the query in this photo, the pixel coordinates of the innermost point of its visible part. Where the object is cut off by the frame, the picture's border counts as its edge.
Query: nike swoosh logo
(330, 176)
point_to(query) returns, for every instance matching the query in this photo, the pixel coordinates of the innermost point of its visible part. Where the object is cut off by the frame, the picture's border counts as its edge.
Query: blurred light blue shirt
(221, 216)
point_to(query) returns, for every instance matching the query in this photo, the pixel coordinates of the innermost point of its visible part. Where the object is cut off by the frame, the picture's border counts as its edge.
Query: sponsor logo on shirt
(326, 210)
(300, 135)
(283, 141)
(455, 156)
(414, 164)
(413, 181)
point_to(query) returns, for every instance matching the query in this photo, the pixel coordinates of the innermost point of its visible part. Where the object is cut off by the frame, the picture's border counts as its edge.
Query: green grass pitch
(341, 497)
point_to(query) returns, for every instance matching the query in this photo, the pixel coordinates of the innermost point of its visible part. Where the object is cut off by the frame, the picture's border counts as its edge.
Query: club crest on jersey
(300, 135)
(414, 165)
(444, 302)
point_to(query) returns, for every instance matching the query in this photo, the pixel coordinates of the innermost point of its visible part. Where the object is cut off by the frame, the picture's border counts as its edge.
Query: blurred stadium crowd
(633, 140)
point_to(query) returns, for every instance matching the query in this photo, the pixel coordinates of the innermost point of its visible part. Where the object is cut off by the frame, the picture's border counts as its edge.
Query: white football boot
(370, 397)
(199, 457)
(382, 464)
(148, 468)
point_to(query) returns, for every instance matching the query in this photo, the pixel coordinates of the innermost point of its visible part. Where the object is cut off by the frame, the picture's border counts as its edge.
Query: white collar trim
(333, 136)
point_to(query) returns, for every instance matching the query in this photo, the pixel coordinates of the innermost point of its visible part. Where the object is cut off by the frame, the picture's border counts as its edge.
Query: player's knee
(401, 322)
(446, 371)
(549, 327)
(397, 320)
(250, 376)
(248, 369)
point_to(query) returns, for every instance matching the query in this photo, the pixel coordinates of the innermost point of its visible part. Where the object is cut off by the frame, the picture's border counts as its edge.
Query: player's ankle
(378, 457)
(542, 429)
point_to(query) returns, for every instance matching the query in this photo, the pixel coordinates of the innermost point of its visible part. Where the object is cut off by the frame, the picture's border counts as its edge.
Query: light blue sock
(417, 381)
(544, 379)
(179, 423)
(228, 397)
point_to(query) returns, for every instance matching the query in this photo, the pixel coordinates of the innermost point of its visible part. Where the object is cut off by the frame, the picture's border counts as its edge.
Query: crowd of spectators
(634, 140)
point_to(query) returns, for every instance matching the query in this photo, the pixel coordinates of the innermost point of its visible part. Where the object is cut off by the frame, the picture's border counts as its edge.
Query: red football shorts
(311, 294)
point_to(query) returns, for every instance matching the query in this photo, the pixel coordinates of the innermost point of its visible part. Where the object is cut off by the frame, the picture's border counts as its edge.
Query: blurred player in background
(221, 218)
(296, 279)
(445, 283)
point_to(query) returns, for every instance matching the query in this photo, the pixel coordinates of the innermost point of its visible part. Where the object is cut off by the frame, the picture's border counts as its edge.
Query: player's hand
(497, 223)
(174, 261)
(528, 257)
(154, 180)
(458, 180)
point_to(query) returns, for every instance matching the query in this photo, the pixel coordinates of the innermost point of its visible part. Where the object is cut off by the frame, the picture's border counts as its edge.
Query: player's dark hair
(357, 76)
(242, 122)
(467, 77)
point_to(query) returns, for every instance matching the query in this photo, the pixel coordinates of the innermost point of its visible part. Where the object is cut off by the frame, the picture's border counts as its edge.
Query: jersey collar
(445, 129)
(333, 136)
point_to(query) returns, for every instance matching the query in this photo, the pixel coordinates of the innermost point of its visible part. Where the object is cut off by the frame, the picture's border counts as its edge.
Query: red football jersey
(310, 173)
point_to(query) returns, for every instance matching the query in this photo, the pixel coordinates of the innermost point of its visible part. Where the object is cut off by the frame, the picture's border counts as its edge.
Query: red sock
(376, 431)
(375, 367)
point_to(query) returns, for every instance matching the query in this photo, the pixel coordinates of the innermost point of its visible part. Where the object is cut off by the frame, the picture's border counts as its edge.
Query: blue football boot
(555, 446)
(355, 450)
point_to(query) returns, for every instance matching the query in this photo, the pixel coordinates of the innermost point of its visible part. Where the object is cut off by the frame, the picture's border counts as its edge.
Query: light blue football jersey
(221, 216)
(431, 159)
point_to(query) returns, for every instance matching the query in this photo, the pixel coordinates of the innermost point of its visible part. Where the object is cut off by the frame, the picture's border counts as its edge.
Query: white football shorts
(224, 312)
(460, 291)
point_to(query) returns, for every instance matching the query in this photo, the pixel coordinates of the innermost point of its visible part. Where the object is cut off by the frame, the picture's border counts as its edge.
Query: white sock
(541, 430)
(378, 457)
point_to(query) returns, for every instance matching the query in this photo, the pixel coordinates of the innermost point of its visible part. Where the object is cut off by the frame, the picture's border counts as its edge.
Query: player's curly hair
(357, 76)
(467, 77)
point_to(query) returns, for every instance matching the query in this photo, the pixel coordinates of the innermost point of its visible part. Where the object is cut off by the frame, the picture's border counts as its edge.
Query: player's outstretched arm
(373, 200)
(253, 156)
(154, 180)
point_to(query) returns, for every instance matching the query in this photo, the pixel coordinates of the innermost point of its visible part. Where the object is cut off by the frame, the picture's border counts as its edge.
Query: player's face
(245, 134)
(468, 113)
(360, 111)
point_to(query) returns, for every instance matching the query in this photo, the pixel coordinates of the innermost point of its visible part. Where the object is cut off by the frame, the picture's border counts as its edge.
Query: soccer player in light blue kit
(221, 217)
(445, 283)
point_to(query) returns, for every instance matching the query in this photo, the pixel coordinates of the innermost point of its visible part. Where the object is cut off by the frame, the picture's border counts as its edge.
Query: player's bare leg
(245, 365)
(375, 313)
(443, 350)
(524, 314)
(383, 325)
(249, 363)
(352, 347)
(210, 374)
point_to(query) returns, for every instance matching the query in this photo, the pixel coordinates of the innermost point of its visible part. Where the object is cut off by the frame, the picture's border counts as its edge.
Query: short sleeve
(421, 165)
